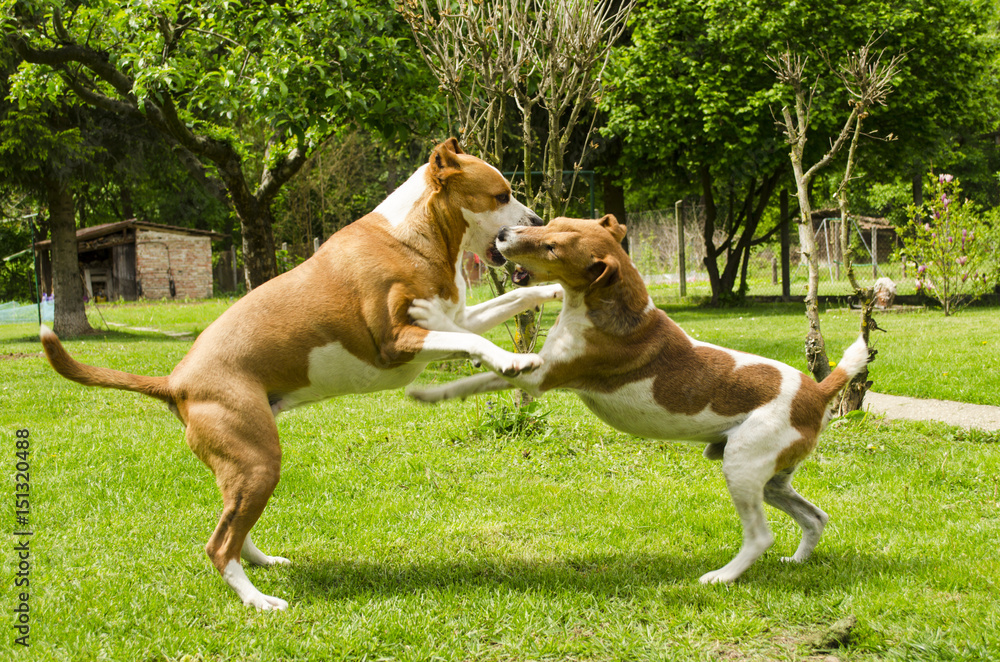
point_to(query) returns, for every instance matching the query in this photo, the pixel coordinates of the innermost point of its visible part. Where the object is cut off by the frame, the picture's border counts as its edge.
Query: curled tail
(88, 375)
(854, 360)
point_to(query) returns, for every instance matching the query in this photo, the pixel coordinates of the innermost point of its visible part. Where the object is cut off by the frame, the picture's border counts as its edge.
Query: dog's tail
(853, 361)
(88, 375)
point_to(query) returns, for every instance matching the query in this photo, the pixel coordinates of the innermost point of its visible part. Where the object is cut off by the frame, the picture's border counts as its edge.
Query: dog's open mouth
(494, 256)
(521, 276)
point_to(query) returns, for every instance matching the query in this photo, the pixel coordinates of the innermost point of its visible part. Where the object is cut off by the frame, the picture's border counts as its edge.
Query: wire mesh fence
(655, 245)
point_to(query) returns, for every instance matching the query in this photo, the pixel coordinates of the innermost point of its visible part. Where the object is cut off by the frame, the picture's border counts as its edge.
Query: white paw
(520, 363)
(550, 293)
(717, 577)
(791, 559)
(430, 314)
(265, 602)
(275, 560)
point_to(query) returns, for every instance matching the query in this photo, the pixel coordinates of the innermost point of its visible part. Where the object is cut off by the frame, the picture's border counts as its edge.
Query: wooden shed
(135, 259)
(877, 234)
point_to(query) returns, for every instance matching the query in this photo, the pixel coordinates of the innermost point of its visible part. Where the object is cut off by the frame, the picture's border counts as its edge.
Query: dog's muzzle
(494, 256)
(519, 275)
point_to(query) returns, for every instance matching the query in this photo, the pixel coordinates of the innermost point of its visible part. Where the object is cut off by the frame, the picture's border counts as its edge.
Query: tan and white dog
(335, 324)
(640, 373)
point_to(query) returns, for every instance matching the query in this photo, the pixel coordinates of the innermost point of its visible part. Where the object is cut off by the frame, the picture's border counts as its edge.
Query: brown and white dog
(640, 373)
(335, 324)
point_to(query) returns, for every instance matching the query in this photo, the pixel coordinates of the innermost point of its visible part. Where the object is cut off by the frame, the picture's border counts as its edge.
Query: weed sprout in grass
(503, 418)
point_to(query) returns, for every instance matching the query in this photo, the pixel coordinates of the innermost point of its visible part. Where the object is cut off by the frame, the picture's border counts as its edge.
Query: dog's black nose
(502, 235)
(536, 221)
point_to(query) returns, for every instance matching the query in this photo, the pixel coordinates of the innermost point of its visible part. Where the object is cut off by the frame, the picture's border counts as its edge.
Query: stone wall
(187, 257)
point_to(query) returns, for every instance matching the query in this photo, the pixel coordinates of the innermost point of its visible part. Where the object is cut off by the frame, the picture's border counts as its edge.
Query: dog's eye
(503, 198)
(550, 248)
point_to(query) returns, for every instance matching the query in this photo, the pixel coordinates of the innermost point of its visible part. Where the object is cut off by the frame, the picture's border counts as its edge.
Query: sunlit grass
(417, 534)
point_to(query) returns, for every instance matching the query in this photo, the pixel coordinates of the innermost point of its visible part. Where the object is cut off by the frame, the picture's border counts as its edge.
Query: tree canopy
(242, 92)
(695, 104)
(694, 87)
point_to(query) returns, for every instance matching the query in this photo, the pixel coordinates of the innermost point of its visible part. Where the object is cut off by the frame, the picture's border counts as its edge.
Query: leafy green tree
(243, 92)
(17, 281)
(42, 155)
(84, 164)
(695, 104)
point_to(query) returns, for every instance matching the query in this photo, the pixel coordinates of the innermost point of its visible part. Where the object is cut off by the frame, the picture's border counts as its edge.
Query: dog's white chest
(335, 371)
(566, 341)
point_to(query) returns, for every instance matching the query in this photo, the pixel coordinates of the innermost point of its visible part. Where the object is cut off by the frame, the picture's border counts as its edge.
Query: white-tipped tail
(44, 331)
(855, 357)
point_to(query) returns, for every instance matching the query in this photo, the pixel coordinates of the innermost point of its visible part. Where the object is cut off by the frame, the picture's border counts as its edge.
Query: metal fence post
(786, 285)
(681, 259)
(232, 260)
(837, 229)
(874, 252)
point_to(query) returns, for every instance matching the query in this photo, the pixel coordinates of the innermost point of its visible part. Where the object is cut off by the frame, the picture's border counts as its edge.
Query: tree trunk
(67, 286)
(554, 205)
(816, 358)
(256, 220)
(614, 203)
(527, 327)
(708, 233)
(918, 189)
(259, 261)
(853, 396)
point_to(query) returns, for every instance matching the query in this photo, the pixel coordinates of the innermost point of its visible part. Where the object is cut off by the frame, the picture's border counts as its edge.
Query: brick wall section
(190, 259)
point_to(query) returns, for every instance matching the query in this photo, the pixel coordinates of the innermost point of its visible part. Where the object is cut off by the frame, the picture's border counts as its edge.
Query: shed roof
(97, 231)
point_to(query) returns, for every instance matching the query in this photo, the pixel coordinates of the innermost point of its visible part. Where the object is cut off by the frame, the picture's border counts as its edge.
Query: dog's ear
(604, 272)
(444, 162)
(611, 224)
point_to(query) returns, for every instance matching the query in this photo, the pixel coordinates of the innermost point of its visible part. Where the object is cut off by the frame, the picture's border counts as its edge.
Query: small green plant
(948, 241)
(505, 419)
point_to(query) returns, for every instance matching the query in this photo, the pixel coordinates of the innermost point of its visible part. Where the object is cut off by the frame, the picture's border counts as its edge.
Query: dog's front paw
(548, 293)
(426, 394)
(431, 315)
(520, 363)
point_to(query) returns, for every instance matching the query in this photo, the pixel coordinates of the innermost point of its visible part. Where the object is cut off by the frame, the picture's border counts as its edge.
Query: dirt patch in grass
(19, 355)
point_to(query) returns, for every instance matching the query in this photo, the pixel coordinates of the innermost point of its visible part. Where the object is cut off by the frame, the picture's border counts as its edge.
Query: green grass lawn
(417, 533)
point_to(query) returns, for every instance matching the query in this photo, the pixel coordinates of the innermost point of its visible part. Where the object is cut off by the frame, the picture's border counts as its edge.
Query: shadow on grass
(111, 335)
(600, 575)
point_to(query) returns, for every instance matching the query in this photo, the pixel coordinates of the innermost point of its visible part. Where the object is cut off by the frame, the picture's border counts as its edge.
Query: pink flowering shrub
(952, 246)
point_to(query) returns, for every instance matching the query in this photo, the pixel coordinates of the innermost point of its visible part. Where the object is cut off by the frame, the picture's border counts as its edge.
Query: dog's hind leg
(242, 449)
(746, 489)
(747, 464)
(780, 494)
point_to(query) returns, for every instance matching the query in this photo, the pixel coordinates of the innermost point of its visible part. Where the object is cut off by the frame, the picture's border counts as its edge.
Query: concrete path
(172, 334)
(961, 414)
